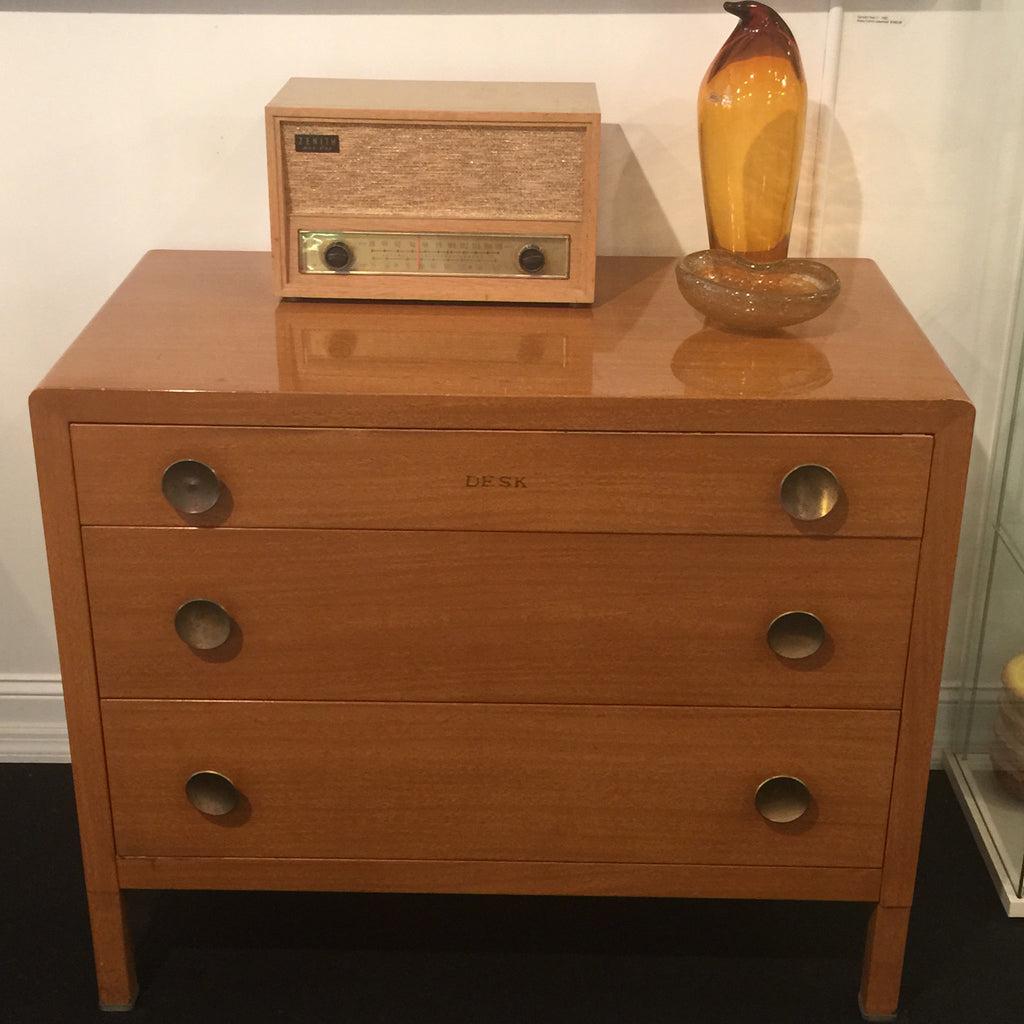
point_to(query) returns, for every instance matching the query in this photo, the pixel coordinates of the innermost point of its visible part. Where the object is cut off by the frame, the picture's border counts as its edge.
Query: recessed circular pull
(796, 635)
(203, 625)
(191, 487)
(782, 799)
(809, 492)
(212, 793)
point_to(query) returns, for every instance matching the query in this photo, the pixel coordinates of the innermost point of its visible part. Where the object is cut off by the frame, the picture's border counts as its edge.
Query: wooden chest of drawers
(499, 599)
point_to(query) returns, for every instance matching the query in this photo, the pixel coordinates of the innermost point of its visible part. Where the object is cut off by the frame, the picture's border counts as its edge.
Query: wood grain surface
(433, 615)
(499, 782)
(504, 480)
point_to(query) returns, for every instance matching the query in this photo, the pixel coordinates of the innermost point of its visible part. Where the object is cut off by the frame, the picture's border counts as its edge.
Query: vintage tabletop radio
(465, 191)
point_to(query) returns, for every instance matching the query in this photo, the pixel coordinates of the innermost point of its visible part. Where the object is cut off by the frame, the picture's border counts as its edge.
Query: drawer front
(498, 782)
(501, 480)
(508, 617)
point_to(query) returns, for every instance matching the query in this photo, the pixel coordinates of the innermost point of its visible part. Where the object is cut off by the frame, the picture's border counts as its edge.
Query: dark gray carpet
(257, 958)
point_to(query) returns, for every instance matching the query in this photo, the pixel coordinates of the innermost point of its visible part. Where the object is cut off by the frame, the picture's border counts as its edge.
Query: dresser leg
(883, 962)
(112, 948)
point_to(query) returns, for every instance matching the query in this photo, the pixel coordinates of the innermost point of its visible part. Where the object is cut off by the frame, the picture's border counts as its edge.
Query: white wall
(926, 175)
(126, 132)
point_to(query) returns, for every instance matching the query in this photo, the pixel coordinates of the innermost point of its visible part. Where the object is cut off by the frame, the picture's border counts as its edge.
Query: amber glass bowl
(755, 297)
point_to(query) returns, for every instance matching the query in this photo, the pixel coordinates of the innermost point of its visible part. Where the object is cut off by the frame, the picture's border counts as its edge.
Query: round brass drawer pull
(809, 492)
(212, 793)
(796, 635)
(782, 799)
(191, 487)
(203, 625)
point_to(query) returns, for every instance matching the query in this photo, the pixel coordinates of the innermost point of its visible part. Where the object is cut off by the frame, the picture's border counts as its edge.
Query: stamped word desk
(499, 599)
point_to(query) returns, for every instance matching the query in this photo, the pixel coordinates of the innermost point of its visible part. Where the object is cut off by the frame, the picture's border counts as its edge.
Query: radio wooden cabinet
(505, 599)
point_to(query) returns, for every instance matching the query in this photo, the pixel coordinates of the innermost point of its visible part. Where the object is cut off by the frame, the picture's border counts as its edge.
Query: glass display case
(987, 762)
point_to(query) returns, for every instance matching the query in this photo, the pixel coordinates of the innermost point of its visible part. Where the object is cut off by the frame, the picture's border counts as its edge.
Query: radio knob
(531, 259)
(338, 256)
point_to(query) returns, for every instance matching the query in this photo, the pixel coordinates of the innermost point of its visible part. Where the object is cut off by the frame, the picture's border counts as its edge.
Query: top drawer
(502, 480)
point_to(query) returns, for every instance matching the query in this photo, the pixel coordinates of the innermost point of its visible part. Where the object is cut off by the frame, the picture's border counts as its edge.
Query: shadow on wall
(631, 218)
(829, 202)
(24, 628)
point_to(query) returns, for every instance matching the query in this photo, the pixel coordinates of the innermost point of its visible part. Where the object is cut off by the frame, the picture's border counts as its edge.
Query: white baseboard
(32, 726)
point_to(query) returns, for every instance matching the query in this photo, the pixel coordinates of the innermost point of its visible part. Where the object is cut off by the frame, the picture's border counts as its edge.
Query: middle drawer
(503, 617)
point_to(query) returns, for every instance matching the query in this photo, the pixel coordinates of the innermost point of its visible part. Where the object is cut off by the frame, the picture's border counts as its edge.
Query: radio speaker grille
(529, 172)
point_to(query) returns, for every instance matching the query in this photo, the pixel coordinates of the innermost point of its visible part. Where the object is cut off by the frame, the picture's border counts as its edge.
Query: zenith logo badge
(317, 144)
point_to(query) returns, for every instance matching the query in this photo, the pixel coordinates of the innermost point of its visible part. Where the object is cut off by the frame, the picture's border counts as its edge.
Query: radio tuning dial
(531, 259)
(338, 256)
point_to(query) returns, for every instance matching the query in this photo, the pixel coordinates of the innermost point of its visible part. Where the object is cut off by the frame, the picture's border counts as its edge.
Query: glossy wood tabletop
(204, 327)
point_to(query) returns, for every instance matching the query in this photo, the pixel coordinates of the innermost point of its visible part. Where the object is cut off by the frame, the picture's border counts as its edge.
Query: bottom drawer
(498, 782)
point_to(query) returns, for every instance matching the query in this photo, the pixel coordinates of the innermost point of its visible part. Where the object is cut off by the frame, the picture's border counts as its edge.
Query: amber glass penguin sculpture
(752, 108)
